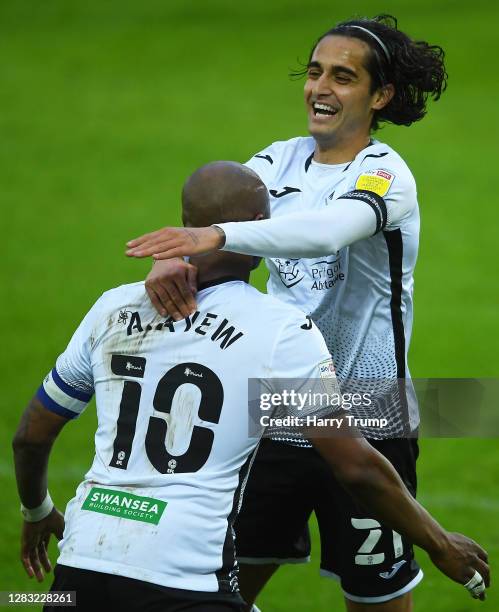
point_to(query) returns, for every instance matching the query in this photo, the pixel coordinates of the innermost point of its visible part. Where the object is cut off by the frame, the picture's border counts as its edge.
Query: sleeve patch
(378, 181)
(327, 375)
(326, 369)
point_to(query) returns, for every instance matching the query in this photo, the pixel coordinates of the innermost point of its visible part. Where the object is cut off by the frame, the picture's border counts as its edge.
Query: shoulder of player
(285, 149)
(381, 169)
(279, 314)
(380, 155)
(123, 296)
(128, 291)
(297, 343)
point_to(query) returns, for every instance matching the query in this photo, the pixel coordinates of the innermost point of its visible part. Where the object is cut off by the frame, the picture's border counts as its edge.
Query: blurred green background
(107, 106)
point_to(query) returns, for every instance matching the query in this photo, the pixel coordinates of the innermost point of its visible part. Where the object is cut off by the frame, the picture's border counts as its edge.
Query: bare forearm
(373, 481)
(32, 443)
(382, 491)
(31, 463)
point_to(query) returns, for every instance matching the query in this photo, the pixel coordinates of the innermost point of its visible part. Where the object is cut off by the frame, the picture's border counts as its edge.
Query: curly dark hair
(415, 68)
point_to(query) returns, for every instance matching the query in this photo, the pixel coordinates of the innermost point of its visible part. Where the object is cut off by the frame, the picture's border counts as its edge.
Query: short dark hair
(415, 68)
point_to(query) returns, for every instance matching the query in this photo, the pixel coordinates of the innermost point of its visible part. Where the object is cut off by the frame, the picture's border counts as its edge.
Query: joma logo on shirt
(124, 505)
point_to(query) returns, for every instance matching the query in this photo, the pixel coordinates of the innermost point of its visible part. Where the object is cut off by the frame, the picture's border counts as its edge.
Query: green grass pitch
(106, 107)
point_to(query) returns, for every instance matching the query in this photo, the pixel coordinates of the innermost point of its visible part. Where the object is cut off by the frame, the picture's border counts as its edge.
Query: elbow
(22, 443)
(362, 472)
(18, 442)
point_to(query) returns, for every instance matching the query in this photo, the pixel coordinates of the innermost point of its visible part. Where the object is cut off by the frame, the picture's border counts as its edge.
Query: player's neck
(219, 265)
(339, 151)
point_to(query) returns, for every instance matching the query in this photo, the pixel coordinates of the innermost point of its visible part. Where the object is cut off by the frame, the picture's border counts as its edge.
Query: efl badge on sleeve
(328, 377)
(326, 369)
(378, 181)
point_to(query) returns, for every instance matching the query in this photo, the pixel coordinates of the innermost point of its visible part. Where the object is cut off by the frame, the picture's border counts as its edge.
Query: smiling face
(338, 96)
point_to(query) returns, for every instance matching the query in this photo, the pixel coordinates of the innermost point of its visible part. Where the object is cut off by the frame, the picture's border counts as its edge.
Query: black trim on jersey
(395, 254)
(227, 574)
(308, 161)
(373, 200)
(374, 155)
(218, 281)
(267, 157)
(395, 257)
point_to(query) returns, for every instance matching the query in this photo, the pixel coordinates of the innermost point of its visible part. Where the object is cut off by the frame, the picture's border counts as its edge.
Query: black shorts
(372, 562)
(98, 591)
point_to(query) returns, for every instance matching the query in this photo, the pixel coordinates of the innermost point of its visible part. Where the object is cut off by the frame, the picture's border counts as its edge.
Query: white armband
(33, 515)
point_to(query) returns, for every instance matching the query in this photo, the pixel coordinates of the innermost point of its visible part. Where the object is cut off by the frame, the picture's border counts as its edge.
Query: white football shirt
(171, 449)
(342, 245)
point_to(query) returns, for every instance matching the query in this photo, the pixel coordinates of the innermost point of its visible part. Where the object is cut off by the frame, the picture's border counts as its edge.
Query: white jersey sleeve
(377, 196)
(299, 349)
(391, 185)
(305, 234)
(68, 387)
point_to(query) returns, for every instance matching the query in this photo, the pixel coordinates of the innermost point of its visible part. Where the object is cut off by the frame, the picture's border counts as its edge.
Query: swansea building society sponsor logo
(124, 505)
(129, 366)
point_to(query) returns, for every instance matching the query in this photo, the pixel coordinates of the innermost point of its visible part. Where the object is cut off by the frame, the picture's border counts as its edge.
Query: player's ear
(265, 214)
(383, 96)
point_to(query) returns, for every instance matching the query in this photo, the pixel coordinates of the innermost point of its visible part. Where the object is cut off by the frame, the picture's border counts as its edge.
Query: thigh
(271, 526)
(253, 578)
(373, 563)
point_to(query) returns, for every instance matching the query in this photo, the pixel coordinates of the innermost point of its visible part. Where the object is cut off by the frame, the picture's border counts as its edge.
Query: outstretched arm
(32, 444)
(305, 234)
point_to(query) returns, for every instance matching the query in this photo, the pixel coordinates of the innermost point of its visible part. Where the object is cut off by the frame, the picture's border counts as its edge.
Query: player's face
(339, 102)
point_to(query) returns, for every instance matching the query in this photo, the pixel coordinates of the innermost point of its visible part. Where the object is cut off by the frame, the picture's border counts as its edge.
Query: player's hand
(171, 286)
(176, 242)
(35, 540)
(460, 558)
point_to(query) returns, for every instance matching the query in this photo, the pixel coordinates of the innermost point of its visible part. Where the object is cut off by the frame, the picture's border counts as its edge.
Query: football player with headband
(342, 245)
